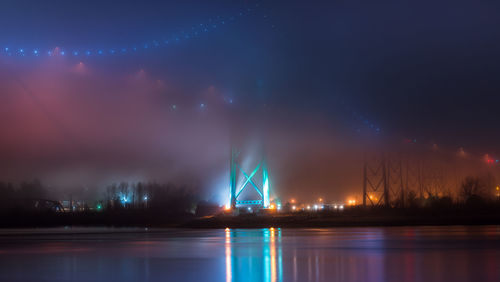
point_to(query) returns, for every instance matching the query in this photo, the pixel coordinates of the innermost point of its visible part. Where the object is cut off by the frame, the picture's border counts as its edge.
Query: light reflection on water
(271, 255)
(263, 263)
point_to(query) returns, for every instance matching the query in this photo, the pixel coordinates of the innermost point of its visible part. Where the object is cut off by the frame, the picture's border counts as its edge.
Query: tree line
(165, 198)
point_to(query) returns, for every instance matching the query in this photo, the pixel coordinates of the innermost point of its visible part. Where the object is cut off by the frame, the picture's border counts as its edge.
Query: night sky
(323, 81)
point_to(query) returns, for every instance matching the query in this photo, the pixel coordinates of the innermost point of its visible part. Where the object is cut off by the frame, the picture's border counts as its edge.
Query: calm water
(336, 254)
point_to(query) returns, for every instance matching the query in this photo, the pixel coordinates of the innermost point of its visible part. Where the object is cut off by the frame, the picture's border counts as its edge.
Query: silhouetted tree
(412, 200)
(158, 198)
(32, 190)
(473, 189)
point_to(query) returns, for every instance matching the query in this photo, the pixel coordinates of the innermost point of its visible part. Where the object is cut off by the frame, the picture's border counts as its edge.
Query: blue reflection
(246, 262)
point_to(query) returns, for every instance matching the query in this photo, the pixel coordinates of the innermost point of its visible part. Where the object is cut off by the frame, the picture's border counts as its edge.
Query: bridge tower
(240, 180)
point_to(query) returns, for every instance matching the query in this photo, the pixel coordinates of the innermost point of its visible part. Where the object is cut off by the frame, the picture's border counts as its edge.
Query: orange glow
(272, 206)
(227, 207)
(292, 201)
(320, 199)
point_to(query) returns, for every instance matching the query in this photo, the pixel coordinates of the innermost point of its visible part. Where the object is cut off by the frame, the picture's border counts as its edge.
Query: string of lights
(364, 124)
(193, 32)
(370, 125)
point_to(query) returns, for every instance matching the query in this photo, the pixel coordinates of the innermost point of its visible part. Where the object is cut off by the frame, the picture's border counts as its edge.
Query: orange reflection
(273, 255)
(228, 255)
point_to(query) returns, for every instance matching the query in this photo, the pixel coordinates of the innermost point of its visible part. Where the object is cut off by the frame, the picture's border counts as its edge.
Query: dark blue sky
(414, 69)
(425, 62)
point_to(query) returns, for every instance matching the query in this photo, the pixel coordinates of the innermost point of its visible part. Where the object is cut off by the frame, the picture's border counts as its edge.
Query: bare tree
(472, 187)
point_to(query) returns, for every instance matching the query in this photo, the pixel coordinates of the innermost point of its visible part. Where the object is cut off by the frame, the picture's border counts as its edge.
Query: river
(447, 253)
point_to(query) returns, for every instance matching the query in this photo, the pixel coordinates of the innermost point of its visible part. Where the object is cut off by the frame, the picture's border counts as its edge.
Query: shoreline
(221, 221)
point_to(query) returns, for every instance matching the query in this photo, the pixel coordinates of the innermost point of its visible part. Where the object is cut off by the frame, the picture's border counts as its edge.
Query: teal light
(265, 185)
(234, 192)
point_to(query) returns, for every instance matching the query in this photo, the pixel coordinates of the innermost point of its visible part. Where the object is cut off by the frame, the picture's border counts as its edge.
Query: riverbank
(349, 217)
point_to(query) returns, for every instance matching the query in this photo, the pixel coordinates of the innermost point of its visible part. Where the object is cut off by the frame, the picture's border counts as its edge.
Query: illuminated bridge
(250, 181)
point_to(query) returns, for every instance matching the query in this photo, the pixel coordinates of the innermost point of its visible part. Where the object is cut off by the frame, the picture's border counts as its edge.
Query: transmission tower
(375, 191)
(395, 185)
(413, 177)
(383, 181)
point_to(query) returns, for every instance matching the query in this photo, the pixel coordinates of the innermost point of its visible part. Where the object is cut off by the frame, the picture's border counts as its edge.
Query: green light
(263, 191)
(265, 185)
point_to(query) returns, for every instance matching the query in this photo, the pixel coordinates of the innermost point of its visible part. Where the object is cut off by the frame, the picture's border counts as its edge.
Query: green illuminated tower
(235, 190)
